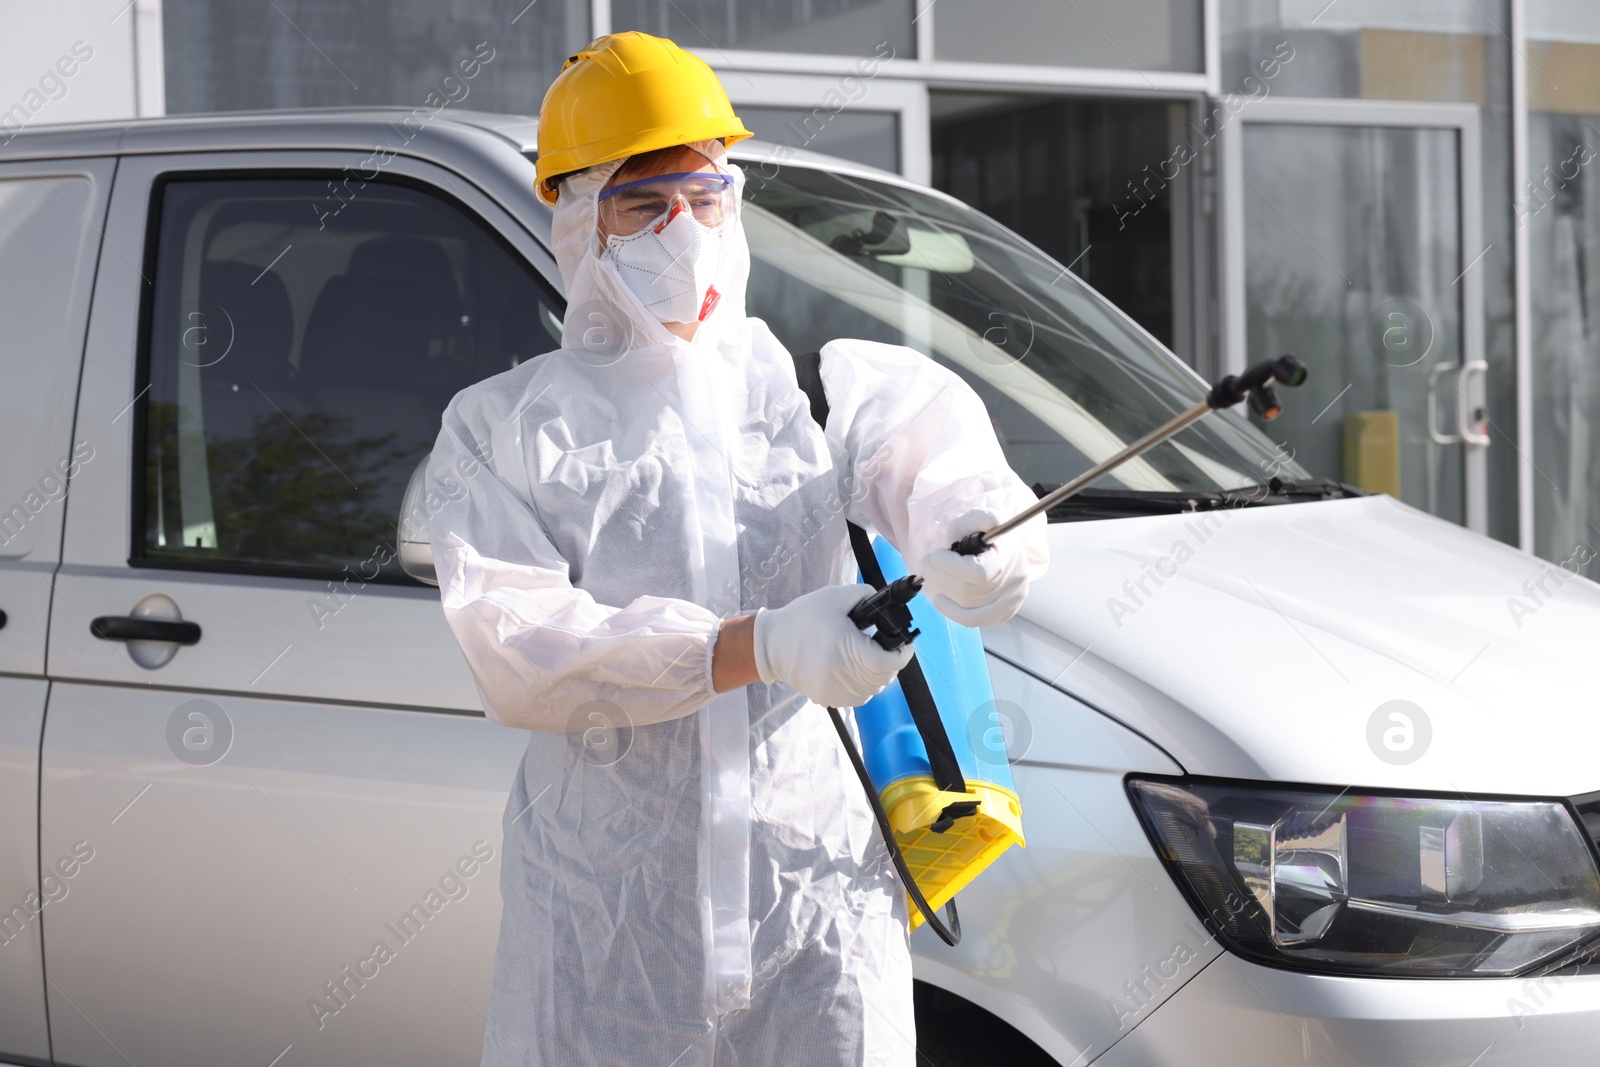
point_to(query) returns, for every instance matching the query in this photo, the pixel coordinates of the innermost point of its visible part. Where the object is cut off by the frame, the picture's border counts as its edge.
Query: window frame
(139, 450)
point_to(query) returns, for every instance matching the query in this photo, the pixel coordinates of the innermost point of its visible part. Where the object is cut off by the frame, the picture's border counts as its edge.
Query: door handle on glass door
(1472, 422)
(1433, 407)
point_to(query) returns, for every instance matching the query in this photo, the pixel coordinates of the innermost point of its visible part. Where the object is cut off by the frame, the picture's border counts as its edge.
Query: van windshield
(1066, 377)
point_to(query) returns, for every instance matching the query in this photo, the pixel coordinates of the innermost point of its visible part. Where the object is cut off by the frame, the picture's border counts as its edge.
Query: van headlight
(1360, 883)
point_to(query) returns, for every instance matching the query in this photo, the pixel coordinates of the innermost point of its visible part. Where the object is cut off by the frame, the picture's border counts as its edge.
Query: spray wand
(887, 611)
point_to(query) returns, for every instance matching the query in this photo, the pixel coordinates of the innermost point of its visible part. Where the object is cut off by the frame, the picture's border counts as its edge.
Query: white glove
(979, 590)
(811, 644)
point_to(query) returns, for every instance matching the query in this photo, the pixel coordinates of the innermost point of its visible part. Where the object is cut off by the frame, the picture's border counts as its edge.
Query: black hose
(950, 935)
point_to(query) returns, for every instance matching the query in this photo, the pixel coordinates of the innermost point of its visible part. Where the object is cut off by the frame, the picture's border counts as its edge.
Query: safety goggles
(630, 207)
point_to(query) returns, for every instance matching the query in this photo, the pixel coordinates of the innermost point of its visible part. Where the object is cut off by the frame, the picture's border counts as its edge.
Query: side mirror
(411, 541)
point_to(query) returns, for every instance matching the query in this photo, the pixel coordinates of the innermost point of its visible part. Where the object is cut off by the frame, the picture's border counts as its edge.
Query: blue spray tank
(947, 838)
(947, 814)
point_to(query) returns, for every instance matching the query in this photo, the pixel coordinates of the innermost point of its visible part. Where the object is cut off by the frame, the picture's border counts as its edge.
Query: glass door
(1350, 239)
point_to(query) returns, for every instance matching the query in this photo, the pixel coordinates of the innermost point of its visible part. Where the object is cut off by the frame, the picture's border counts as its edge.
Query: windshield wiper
(1311, 489)
(1125, 503)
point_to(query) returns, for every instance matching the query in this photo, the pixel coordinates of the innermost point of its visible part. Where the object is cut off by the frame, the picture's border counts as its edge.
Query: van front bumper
(1238, 1014)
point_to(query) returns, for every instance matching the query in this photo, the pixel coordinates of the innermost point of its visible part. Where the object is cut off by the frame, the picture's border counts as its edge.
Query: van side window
(299, 360)
(45, 262)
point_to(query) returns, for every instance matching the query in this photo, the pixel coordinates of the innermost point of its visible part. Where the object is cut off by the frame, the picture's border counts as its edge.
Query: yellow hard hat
(623, 94)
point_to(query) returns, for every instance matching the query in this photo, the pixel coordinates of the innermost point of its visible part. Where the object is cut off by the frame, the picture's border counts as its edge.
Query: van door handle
(133, 628)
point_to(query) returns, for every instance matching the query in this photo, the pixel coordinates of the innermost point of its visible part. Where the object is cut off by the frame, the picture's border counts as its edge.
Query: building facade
(1404, 194)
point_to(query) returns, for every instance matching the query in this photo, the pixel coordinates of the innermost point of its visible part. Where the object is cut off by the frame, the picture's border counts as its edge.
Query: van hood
(1262, 642)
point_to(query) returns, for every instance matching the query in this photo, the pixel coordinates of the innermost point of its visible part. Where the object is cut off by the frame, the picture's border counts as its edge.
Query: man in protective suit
(652, 574)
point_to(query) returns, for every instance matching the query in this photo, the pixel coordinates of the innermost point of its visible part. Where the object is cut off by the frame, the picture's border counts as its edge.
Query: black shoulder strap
(913, 683)
(808, 372)
(924, 713)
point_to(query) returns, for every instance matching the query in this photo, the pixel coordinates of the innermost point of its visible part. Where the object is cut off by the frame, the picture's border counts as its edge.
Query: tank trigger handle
(887, 613)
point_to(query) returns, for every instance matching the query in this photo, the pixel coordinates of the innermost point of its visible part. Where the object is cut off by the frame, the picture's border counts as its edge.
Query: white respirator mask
(672, 260)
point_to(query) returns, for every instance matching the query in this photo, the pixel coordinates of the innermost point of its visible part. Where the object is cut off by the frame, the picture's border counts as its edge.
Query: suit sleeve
(922, 450)
(545, 655)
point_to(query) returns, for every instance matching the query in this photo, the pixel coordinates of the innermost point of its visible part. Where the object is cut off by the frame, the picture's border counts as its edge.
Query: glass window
(1352, 265)
(1427, 50)
(300, 359)
(870, 137)
(1377, 49)
(1560, 208)
(45, 261)
(232, 55)
(1159, 35)
(1066, 378)
(839, 27)
(1079, 178)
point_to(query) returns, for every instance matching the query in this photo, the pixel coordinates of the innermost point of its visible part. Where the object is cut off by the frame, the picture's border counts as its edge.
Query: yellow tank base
(943, 864)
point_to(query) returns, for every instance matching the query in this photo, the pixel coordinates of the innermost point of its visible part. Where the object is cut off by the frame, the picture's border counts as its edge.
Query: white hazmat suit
(690, 879)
